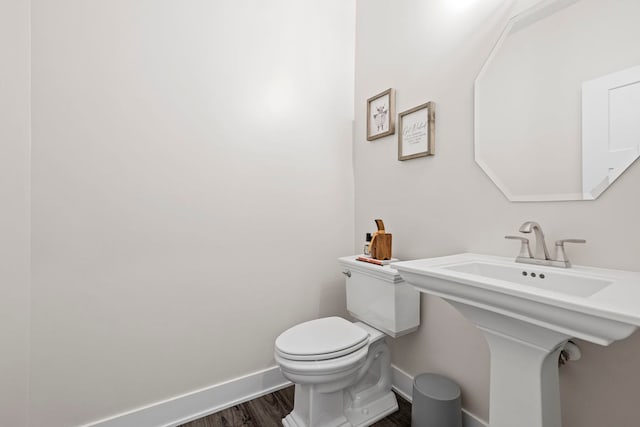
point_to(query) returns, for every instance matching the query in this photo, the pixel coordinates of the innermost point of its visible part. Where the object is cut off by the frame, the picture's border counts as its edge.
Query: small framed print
(381, 112)
(417, 131)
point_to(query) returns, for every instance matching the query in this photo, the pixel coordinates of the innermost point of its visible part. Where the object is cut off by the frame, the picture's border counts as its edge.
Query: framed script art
(417, 132)
(381, 112)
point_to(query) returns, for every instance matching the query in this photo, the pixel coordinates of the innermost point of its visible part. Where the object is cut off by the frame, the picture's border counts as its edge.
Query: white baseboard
(200, 403)
(403, 385)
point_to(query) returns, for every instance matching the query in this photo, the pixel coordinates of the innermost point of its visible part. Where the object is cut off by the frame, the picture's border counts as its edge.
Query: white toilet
(342, 370)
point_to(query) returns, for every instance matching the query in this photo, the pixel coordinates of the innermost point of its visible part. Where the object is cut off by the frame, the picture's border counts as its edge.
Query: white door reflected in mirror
(529, 134)
(610, 129)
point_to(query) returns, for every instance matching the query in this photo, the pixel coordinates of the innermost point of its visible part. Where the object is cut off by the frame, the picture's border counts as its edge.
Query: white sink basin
(594, 304)
(527, 313)
(556, 280)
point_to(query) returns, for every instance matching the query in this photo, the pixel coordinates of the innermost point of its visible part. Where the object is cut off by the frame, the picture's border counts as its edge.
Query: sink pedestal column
(525, 389)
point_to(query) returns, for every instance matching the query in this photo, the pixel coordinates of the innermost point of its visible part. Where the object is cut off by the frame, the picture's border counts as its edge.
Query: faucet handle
(525, 250)
(560, 253)
(563, 241)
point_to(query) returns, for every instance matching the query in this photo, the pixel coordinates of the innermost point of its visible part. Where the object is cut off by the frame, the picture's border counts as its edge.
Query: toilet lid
(321, 339)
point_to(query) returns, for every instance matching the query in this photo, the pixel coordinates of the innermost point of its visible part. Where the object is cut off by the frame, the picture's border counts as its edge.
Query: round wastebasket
(436, 402)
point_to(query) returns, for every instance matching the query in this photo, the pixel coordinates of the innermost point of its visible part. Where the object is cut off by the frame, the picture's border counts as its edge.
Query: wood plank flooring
(268, 411)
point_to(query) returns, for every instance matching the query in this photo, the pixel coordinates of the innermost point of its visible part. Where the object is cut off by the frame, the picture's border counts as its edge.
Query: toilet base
(292, 420)
(353, 417)
(333, 414)
(314, 408)
(372, 412)
(357, 398)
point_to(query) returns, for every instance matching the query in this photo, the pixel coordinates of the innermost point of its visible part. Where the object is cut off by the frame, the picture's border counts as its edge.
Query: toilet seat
(321, 339)
(324, 370)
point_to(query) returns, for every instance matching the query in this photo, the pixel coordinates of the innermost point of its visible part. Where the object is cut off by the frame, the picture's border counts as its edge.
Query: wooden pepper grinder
(380, 243)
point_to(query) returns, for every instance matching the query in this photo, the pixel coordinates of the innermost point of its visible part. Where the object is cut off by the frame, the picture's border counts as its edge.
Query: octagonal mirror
(557, 103)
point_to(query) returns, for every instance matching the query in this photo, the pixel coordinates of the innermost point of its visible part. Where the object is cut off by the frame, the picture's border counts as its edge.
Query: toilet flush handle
(347, 273)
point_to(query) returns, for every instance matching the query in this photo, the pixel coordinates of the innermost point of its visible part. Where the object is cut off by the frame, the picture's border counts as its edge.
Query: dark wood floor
(268, 411)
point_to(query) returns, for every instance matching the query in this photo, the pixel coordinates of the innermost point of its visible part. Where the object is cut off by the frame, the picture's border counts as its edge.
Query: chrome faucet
(541, 256)
(541, 245)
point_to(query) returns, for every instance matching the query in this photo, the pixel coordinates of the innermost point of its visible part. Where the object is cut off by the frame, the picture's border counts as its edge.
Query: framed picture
(381, 112)
(417, 132)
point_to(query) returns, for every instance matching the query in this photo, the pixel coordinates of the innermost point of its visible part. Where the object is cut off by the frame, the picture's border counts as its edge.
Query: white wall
(192, 189)
(14, 211)
(432, 51)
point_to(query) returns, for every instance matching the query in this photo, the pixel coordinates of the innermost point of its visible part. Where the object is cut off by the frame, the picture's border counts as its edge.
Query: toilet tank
(379, 297)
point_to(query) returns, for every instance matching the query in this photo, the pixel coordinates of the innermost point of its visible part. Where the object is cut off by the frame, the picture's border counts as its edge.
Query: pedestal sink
(527, 314)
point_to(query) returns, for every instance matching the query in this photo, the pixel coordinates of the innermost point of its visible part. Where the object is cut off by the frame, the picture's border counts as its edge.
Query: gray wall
(432, 51)
(14, 211)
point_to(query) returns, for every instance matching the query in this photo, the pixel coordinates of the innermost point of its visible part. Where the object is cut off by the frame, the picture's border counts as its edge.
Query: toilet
(342, 369)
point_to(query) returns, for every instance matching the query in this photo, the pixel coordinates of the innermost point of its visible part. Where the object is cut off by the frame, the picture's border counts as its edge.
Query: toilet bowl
(342, 369)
